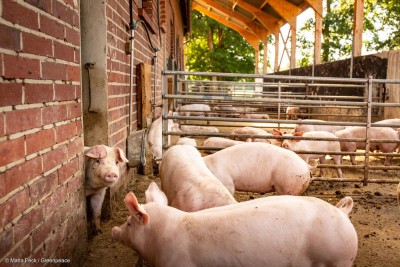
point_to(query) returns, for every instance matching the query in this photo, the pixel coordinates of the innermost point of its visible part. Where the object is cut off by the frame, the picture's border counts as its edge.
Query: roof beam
(251, 38)
(271, 23)
(256, 29)
(285, 9)
(316, 5)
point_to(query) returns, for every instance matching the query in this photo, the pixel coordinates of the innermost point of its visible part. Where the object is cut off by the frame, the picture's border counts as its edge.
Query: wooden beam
(269, 22)
(256, 29)
(358, 27)
(286, 10)
(265, 56)
(316, 5)
(250, 38)
(276, 61)
(293, 41)
(317, 38)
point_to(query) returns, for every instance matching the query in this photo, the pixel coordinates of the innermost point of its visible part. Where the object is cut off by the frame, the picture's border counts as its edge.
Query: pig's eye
(116, 162)
(97, 161)
(129, 224)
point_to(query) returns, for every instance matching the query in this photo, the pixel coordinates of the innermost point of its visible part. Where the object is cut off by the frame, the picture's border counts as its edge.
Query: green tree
(214, 47)
(382, 16)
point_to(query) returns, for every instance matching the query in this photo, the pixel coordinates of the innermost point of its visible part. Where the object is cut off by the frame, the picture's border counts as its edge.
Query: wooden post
(293, 41)
(265, 56)
(256, 61)
(276, 63)
(358, 27)
(144, 95)
(317, 37)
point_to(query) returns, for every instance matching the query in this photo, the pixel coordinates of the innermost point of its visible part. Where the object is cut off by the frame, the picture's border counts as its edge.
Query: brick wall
(41, 138)
(42, 203)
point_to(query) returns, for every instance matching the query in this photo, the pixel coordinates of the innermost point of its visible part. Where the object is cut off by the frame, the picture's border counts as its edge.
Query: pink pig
(101, 171)
(316, 145)
(260, 168)
(187, 182)
(269, 231)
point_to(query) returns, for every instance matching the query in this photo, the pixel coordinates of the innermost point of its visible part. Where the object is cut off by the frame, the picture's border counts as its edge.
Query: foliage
(380, 16)
(214, 47)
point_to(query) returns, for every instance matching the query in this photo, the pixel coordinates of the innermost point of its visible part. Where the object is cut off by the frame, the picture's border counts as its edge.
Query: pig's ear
(277, 132)
(154, 194)
(298, 134)
(135, 208)
(121, 155)
(97, 152)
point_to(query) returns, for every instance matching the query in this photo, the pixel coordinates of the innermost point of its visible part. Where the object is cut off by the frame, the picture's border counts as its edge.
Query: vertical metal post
(368, 131)
(164, 124)
(279, 104)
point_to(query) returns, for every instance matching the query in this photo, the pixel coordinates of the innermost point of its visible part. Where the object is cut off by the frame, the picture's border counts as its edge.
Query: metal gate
(335, 101)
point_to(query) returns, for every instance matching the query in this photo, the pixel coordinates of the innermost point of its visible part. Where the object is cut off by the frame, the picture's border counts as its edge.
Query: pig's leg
(322, 160)
(337, 159)
(96, 202)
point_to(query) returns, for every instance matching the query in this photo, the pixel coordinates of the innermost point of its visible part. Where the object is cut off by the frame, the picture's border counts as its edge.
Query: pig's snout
(285, 145)
(116, 232)
(111, 177)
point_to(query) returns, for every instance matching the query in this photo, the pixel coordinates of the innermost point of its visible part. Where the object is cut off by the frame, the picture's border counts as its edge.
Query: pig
(389, 121)
(255, 116)
(219, 142)
(199, 129)
(260, 168)
(269, 231)
(376, 133)
(253, 131)
(398, 194)
(187, 141)
(312, 127)
(313, 145)
(102, 170)
(194, 110)
(187, 182)
(292, 113)
(225, 111)
(154, 136)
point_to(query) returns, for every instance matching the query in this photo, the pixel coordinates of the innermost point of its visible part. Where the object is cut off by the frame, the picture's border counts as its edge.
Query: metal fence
(333, 101)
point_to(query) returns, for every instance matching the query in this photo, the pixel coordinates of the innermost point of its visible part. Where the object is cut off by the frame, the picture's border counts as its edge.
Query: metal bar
(282, 77)
(368, 131)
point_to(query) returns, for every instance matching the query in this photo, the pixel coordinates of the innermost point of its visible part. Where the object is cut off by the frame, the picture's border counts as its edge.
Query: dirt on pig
(375, 215)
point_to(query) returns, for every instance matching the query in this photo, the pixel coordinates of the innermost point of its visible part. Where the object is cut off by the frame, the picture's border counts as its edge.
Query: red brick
(19, 67)
(44, 5)
(27, 223)
(64, 92)
(54, 114)
(40, 140)
(64, 52)
(54, 158)
(65, 132)
(34, 44)
(51, 27)
(6, 241)
(43, 186)
(75, 147)
(14, 206)
(79, 127)
(12, 41)
(43, 231)
(54, 71)
(76, 182)
(22, 120)
(64, 13)
(74, 110)
(11, 150)
(22, 173)
(52, 203)
(2, 128)
(38, 93)
(10, 94)
(73, 73)
(15, 13)
(68, 170)
(72, 36)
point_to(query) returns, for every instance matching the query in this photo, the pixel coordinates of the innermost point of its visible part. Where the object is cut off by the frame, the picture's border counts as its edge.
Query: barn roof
(255, 20)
